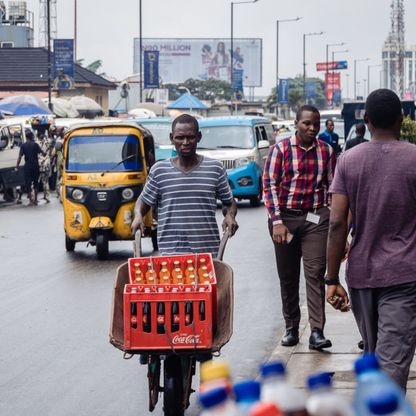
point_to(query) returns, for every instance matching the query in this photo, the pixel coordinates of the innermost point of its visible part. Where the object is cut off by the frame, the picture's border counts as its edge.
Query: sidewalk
(342, 331)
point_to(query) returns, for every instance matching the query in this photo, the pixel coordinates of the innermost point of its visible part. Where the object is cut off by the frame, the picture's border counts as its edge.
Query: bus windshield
(100, 153)
(160, 133)
(227, 137)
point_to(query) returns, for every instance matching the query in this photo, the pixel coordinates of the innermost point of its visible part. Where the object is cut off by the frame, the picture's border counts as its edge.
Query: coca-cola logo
(186, 339)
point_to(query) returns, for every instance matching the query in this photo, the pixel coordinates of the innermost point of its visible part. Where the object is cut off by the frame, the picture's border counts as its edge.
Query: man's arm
(230, 211)
(19, 158)
(140, 210)
(337, 237)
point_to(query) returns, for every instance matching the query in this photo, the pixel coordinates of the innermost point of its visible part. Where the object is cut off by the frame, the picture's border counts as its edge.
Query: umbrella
(63, 108)
(23, 105)
(141, 113)
(86, 106)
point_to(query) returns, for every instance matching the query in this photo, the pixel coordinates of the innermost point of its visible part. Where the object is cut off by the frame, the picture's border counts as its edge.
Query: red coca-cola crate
(180, 317)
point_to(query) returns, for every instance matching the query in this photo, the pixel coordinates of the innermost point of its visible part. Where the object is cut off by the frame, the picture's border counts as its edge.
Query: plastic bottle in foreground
(216, 402)
(247, 394)
(384, 403)
(323, 401)
(276, 389)
(215, 374)
(370, 381)
(265, 409)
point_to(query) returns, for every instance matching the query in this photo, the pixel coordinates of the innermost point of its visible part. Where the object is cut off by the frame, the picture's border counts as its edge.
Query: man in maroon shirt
(377, 182)
(296, 179)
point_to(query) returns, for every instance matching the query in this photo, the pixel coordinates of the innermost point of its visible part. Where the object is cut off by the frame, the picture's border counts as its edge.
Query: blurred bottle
(190, 269)
(160, 327)
(203, 274)
(164, 274)
(247, 394)
(190, 279)
(276, 389)
(202, 264)
(174, 313)
(189, 313)
(371, 380)
(323, 401)
(265, 409)
(215, 374)
(147, 323)
(150, 275)
(217, 403)
(202, 310)
(177, 271)
(384, 403)
(138, 277)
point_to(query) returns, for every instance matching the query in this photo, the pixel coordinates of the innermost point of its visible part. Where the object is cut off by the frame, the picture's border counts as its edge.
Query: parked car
(242, 145)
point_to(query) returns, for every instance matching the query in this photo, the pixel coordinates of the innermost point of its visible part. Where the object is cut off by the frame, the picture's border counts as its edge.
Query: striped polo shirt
(187, 204)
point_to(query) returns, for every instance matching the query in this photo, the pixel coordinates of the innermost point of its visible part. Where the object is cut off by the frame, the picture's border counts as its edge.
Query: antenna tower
(43, 22)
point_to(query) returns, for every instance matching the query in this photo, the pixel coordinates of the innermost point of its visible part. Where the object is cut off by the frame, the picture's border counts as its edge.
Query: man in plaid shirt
(297, 176)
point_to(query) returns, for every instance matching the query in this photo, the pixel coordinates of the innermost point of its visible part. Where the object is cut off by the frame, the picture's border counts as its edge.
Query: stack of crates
(166, 316)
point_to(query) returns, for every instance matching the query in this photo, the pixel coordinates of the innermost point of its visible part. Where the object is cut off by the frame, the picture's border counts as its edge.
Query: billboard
(182, 59)
(331, 66)
(283, 92)
(151, 69)
(63, 57)
(333, 84)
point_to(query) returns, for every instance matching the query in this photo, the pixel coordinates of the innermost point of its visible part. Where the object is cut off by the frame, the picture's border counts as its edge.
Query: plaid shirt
(296, 178)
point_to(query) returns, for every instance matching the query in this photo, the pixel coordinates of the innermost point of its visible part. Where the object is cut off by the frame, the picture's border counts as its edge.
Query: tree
(408, 130)
(93, 66)
(296, 93)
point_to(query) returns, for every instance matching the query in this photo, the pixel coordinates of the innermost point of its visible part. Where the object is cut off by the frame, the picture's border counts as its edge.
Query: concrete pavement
(342, 331)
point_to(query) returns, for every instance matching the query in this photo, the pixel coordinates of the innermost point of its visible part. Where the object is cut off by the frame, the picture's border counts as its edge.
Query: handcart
(179, 360)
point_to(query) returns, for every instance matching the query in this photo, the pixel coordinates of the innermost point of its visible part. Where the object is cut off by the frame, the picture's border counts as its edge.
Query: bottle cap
(273, 368)
(213, 397)
(383, 403)
(214, 370)
(315, 381)
(265, 409)
(365, 363)
(247, 390)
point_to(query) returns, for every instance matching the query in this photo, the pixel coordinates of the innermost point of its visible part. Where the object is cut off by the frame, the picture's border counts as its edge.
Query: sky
(106, 30)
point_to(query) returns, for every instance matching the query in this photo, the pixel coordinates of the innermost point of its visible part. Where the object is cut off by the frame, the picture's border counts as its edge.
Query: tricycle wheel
(101, 242)
(174, 402)
(153, 376)
(153, 235)
(69, 244)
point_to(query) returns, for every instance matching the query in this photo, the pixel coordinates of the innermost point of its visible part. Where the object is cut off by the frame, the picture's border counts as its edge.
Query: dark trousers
(386, 318)
(309, 242)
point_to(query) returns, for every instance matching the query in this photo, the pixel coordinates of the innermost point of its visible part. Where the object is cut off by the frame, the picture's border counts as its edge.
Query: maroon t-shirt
(379, 179)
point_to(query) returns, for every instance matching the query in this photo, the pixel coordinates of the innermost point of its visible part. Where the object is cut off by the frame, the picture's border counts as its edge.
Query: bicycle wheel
(153, 377)
(177, 381)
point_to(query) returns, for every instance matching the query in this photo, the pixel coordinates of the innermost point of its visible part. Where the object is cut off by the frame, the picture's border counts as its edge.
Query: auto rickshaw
(105, 167)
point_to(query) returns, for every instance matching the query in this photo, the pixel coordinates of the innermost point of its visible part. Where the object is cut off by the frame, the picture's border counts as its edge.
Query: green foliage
(211, 90)
(296, 93)
(408, 130)
(93, 66)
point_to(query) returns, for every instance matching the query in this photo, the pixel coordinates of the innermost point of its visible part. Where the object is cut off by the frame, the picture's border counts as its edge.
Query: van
(242, 144)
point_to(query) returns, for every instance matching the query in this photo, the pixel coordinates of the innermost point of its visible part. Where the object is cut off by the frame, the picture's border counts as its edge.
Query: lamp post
(140, 52)
(333, 60)
(355, 74)
(348, 85)
(277, 51)
(368, 76)
(327, 63)
(232, 47)
(304, 59)
(75, 29)
(48, 12)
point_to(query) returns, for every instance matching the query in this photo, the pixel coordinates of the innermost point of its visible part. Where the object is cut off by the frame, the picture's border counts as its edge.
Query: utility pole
(141, 51)
(48, 15)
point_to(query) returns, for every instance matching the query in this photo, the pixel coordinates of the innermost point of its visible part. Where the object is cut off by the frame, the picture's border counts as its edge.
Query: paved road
(55, 358)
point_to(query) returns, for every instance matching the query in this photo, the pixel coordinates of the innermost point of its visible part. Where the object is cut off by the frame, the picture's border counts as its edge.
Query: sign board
(63, 57)
(151, 69)
(238, 83)
(331, 66)
(332, 84)
(283, 91)
(161, 96)
(203, 59)
(310, 89)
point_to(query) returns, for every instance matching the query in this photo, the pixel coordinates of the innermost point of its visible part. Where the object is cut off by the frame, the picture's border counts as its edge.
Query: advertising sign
(283, 91)
(332, 84)
(331, 66)
(151, 69)
(310, 89)
(203, 59)
(63, 57)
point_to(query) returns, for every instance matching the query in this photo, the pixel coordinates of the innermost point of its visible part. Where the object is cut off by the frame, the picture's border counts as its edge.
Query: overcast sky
(106, 30)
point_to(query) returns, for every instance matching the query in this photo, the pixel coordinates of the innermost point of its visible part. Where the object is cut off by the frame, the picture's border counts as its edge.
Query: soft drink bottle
(160, 327)
(133, 311)
(202, 263)
(174, 313)
(202, 273)
(202, 310)
(176, 271)
(147, 323)
(138, 276)
(150, 275)
(276, 389)
(370, 380)
(265, 409)
(190, 279)
(189, 313)
(190, 269)
(247, 394)
(323, 401)
(164, 274)
(217, 403)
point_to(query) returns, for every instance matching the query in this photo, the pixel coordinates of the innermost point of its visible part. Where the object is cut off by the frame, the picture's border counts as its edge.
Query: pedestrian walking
(57, 160)
(30, 150)
(45, 165)
(297, 176)
(330, 137)
(359, 137)
(377, 182)
(185, 189)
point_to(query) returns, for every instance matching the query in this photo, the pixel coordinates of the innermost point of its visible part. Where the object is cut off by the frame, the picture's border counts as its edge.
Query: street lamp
(355, 74)
(140, 52)
(48, 13)
(232, 45)
(304, 59)
(277, 49)
(327, 63)
(368, 76)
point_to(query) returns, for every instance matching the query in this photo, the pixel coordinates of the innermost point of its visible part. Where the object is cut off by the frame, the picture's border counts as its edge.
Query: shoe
(361, 345)
(317, 341)
(290, 338)
(47, 200)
